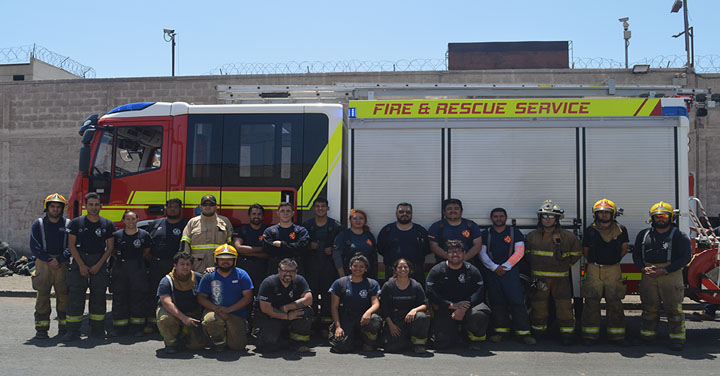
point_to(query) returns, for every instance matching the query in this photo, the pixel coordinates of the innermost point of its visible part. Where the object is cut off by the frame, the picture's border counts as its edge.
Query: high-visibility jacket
(552, 253)
(202, 236)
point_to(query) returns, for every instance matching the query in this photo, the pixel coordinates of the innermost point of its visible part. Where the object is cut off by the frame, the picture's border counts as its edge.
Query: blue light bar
(352, 112)
(131, 107)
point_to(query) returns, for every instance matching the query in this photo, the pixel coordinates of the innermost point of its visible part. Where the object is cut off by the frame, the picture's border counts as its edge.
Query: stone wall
(39, 120)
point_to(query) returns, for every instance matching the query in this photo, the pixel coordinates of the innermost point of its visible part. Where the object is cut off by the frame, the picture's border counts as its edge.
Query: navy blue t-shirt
(273, 291)
(91, 236)
(466, 231)
(347, 243)
(130, 247)
(226, 291)
(394, 244)
(355, 297)
(249, 235)
(185, 301)
(166, 237)
(502, 244)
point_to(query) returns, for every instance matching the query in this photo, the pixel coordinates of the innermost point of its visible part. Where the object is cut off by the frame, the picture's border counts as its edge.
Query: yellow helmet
(55, 197)
(662, 208)
(549, 207)
(604, 205)
(225, 251)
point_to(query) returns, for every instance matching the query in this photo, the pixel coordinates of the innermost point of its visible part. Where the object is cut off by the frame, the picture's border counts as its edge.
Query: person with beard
(285, 239)
(456, 291)
(225, 293)
(178, 311)
(605, 243)
(91, 242)
(48, 243)
(454, 227)
(553, 251)
(320, 269)
(404, 239)
(247, 239)
(165, 234)
(129, 277)
(283, 305)
(206, 232)
(660, 253)
(503, 248)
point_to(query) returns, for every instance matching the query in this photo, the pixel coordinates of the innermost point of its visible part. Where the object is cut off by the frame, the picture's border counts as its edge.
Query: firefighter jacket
(552, 253)
(201, 236)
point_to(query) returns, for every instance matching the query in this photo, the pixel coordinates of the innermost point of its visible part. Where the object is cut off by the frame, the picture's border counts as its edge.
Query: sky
(125, 39)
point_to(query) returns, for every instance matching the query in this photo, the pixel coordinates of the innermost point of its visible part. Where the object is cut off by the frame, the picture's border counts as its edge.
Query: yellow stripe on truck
(244, 199)
(317, 177)
(504, 108)
(147, 198)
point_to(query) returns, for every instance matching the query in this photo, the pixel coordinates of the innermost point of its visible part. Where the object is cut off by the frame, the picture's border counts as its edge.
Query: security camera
(624, 19)
(169, 31)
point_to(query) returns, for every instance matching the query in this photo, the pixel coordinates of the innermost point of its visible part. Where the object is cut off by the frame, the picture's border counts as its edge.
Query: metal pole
(687, 34)
(627, 43)
(173, 55)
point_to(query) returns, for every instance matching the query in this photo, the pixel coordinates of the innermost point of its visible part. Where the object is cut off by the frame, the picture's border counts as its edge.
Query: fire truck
(373, 146)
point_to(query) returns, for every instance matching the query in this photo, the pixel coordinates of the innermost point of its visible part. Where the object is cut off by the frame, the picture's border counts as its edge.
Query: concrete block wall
(39, 120)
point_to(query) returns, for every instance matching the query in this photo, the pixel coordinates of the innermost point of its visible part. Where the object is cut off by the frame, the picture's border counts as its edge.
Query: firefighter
(129, 282)
(247, 239)
(503, 248)
(285, 240)
(404, 239)
(284, 304)
(356, 239)
(165, 234)
(552, 252)
(91, 242)
(454, 227)
(225, 293)
(605, 242)
(205, 232)
(404, 308)
(660, 253)
(48, 243)
(456, 290)
(320, 270)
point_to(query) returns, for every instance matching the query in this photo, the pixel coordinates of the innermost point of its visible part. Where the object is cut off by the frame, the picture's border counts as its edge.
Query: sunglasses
(662, 216)
(547, 216)
(401, 211)
(208, 204)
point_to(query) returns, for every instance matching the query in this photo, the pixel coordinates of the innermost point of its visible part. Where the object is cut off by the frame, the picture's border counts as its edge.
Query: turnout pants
(414, 333)
(270, 331)
(129, 286)
(350, 322)
(232, 331)
(603, 281)
(560, 290)
(668, 291)
(507, 300)
(449, 332)
(159, 268)
(174, 331)
(43, 280)
(77, 287)
(320, 274)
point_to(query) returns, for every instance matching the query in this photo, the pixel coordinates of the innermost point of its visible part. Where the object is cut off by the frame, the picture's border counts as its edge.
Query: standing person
(660, 253)
(356, 239)
(91, 243)
(354, 307)
(503, 248)
(225, 293)
(283, 303)
(178, 311)
(404, 308)
(129, 282)
(285, 240)
(205, 232)
(455, 288)
(247, 239)
(320, 270)
(404, 239)
(165, 234)
(454, 227)
(605, 243)
(553, 251)
(48, 243)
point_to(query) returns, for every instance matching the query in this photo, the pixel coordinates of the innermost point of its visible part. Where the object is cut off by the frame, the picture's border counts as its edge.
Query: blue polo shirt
(226, 291)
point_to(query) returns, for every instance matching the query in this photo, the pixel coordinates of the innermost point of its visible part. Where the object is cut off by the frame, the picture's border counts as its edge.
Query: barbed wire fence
(22, 54)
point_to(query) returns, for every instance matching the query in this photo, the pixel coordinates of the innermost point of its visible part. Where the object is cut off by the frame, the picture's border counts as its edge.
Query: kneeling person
(284, 301)
(404, 306)
(455, 289)
(225, 293)
(178, 313)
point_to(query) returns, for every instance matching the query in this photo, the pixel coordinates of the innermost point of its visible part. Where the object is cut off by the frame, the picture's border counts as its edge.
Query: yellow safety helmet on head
(662, 208)
(549, 207)
(225, 251)
(55, 197)
(604, 205)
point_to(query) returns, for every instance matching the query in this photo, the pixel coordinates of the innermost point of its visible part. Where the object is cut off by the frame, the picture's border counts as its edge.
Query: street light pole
(171, 34)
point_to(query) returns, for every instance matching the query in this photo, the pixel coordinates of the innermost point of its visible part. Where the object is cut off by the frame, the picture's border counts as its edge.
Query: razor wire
(23, 54)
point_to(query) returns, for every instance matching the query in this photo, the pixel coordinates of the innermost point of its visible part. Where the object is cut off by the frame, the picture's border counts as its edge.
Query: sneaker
(676, 346)
(528, 340)
(495, 338)
(171, 349)
(41, 334)
(366, 347)
(419, 349)
(71, 335)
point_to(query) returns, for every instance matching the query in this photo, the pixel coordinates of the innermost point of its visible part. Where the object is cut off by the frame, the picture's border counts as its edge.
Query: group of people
(204, 283)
